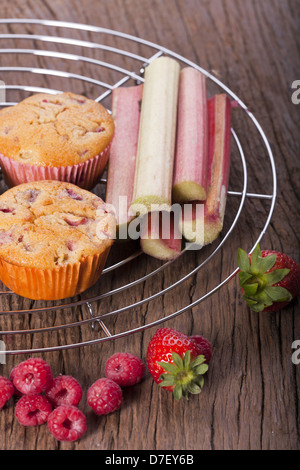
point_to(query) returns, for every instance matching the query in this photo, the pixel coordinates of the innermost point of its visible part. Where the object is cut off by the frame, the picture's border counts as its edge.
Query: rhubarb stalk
(156, 144)
(219, 119)
(190, 167)
(126, 103)
(160, 235)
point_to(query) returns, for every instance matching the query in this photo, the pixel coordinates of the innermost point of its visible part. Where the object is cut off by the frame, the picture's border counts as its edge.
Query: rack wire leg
(100, 323)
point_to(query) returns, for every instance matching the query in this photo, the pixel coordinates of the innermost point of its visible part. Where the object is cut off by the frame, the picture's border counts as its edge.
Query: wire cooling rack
(49, 56)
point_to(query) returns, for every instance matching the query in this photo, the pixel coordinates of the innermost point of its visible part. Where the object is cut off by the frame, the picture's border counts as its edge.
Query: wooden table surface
(250, 399)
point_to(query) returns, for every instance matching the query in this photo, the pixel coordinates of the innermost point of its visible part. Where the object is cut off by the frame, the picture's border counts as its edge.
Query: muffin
(54, 239)
(64, 137)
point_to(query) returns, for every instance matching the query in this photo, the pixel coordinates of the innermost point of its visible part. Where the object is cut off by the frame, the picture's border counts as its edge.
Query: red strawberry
(269, 279)
(176, 362)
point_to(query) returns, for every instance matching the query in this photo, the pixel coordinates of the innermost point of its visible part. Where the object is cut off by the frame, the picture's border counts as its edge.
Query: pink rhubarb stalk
(160, 235)
(190, 168)
(126, 104)
(219, 119)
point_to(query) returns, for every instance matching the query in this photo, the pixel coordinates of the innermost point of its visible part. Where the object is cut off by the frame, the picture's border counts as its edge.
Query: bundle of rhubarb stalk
(169, 163)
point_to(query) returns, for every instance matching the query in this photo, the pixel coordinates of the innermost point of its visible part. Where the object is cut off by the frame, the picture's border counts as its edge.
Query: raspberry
(12, 376)
(205, 345)
(67, 423)
(32, 410)
(64, 390)
(125, 369)
(6, 391)
(104, 396)
(32, 376)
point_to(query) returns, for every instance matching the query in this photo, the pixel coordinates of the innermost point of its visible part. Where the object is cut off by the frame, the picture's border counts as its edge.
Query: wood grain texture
(250, 399)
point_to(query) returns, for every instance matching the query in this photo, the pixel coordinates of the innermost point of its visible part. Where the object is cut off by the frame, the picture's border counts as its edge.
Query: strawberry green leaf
(167, 380)
(265, 299)
(194, 388)
(267, 263)
(275, 276)
(278, 294)
(256, 258)
(261, 296)
(200, 370)
(243, 260)
(244, 277)
(187, 359)
(258, 307)
(257, 252)
(177, 392)
(177, 360)
(250, 289)
(200, 381)
(171, 368)
(198, 361)
(249, 301)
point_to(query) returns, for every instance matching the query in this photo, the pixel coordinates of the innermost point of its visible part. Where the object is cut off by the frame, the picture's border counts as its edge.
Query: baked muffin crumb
(55, 130)
(48, 224)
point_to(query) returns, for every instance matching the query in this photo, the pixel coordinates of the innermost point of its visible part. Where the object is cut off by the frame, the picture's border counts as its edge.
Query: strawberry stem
(258, 280)
(184, 375)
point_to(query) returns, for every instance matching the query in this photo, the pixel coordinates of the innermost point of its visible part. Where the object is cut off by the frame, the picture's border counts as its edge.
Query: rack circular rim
(160, 50)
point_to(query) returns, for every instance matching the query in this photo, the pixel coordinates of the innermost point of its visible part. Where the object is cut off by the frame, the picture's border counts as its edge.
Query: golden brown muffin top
(55, 130)
(49, 224)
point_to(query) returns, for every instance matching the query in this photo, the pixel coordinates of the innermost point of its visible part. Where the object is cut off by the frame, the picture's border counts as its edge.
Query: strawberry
(269, 279)
(176, 362)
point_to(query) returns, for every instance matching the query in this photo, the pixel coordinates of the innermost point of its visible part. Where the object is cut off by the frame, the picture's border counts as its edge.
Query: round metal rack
(123, 65)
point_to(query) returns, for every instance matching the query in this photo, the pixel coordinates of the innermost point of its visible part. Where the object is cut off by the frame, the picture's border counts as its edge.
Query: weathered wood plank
(250, 399)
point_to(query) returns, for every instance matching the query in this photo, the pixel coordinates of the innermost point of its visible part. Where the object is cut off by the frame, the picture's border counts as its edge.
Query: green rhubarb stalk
(156, 144)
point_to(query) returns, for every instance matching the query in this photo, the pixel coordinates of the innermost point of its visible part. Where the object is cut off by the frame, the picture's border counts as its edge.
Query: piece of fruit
(17, 393)
(157, 134)
(6, 391)
(33, 410)
(269, 279)
(67, 423)
(191, 156)
(205, 345)
(126, 104)
(104, 396)
(64, 390)
(176, 362)
(32, 376)
(125, 369)
(160, 235)
(204, 221)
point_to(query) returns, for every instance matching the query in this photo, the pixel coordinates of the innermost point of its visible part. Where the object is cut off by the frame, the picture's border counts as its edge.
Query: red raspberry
(64, 390)
(32, 410)
(205, 345)
(125, 369)
(67, 423)
(104, 396)
(6, 391)
(32, 376)
(12, 376)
